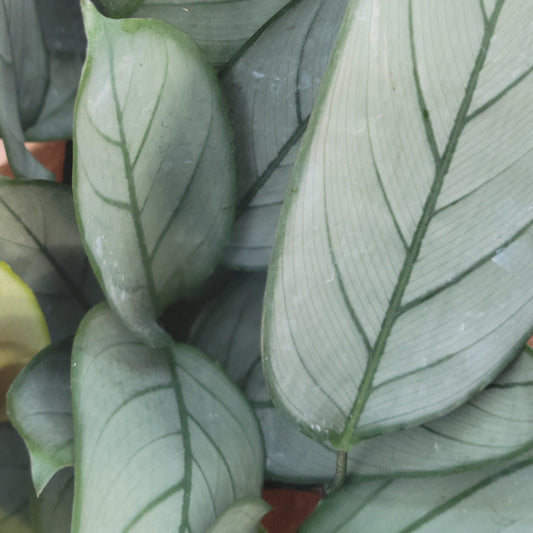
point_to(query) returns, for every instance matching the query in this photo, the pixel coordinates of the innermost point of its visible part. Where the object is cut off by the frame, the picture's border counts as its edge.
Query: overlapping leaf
(40, 240)
(164, 442)
(40, 407)
(219, 27)
(400, 280)
(496, 423)
(15, 488)
(154, 168)
(243, 516)
(270, 103)
(23, 82)
(487, 501)
(55, 119)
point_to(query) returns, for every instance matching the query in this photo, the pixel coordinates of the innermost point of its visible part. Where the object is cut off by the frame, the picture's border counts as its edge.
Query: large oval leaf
(39, 238)
(23, 82)
(40, 407)
(15, 488)
(494, 424)
(270, 102)
(162, 432)
(400, 280)
(219, 27)
(243, 516)
(485, 501)
(154, 168)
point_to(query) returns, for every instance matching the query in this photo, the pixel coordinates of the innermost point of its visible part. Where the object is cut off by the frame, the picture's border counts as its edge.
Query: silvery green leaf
(400, 281)
(486, 501)
(23, 82)
(39, 238)
(241, 517)
(55, 119)
(154, 166)
(15, 487)
(52, 510)
(494, 424)
(40, 407)
(270, 103)
(219, 27)
(161, 431)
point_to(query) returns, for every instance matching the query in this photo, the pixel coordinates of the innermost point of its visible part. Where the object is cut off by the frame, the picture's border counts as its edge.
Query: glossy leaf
(219, 27)
(16, 482)
(23, 82)
(56, 116)
(494, 424)
(162, 432)
(40, 407)
(154, 167)
(487, 501)
(52, 511)
(270, 102)
(23, 330)
(400, 282)
(39, 238)
(241, 517)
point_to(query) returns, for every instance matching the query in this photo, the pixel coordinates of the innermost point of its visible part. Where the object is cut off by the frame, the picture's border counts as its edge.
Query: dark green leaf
(161, 432)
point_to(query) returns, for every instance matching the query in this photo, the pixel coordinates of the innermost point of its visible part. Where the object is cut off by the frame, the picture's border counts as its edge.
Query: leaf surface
(51, 512)
(39, 238)
(494, 424)
(489, 501)
(40, 407)
(16, 486)
(162, 431)
(23, 82)
(400, 279)
(219, 27)
(55, 119)
(154, 167)
(270, 102)
(241, 517)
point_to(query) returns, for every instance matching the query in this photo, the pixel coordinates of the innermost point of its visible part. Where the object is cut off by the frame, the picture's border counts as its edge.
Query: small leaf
(220, 28)
(39, 238)
(162, 431)
(23, 330)
(400, 281)
(56, 116)
(15, 487)
(154, 168)
(490, 500)
(23, 82)
(270, 102)
(40, 407)
(241, 517)
(52, 510)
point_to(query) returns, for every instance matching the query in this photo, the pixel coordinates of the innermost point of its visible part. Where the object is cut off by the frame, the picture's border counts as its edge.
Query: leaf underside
(400, 279)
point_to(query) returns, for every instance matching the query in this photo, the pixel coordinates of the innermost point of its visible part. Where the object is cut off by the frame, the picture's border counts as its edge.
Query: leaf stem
(340, 473)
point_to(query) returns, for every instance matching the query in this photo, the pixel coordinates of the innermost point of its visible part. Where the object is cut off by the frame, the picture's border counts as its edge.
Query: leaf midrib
(346, 440)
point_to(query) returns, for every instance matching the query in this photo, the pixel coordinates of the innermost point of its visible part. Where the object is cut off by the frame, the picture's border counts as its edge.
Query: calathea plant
(397, 305)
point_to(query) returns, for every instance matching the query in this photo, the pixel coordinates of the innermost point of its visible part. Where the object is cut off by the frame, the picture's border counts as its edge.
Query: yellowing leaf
(23, 329)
